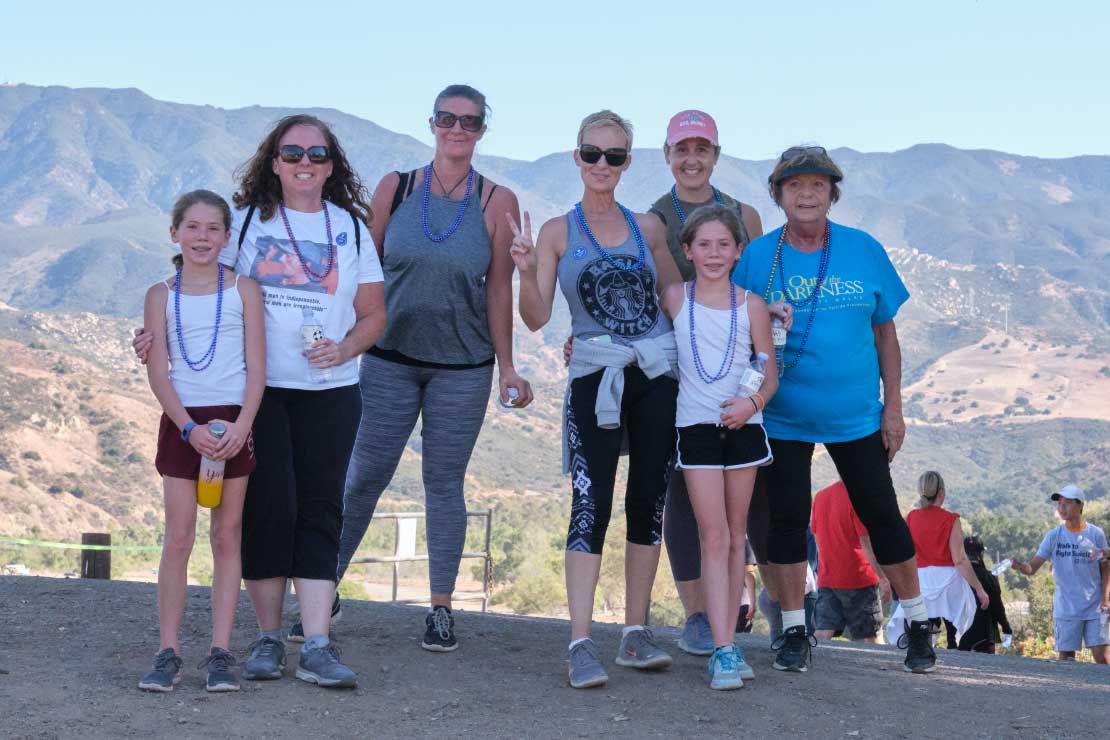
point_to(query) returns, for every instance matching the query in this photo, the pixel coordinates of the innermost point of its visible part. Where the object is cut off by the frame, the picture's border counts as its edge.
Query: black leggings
(647, 415)
(293, 512)
(865, 470)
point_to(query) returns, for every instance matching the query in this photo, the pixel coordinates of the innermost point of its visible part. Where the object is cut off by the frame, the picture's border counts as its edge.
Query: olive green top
(664, 209)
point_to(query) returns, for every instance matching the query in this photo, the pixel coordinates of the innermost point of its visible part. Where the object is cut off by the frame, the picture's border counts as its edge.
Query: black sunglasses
(803, 151)
(446, 119)
(291, 154)
(591, 154)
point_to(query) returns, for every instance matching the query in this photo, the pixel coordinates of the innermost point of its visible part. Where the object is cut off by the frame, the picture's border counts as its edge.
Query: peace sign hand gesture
(523, 249)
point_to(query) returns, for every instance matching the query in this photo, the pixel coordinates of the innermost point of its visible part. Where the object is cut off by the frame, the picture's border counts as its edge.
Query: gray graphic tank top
(604, 299)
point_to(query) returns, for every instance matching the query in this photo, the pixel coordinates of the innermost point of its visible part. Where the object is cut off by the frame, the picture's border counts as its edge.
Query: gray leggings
(452, 404)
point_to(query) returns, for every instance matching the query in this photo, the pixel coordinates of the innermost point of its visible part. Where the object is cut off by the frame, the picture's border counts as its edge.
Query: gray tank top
(607, 300)
(664, 209)
(435, 293)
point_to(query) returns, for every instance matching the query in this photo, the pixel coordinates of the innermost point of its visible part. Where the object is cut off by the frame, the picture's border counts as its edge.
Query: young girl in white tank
(207, 364)
(721, 442)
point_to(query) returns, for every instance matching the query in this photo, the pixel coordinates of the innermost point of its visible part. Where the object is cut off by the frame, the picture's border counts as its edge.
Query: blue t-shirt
(1078, 578)
(832, 394)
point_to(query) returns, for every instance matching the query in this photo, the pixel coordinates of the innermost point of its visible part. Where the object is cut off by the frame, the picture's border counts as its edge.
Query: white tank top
(700, 402)
(224, 381)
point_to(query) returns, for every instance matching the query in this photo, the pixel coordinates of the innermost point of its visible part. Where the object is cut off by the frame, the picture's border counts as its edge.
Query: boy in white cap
(1082, 598)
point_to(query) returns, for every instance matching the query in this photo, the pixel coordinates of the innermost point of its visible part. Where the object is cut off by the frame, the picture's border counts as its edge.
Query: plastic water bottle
(311, 332)
(778, 338)
(751, 380)
(210, 483)
(1007, 640)
(1001, 567)
(1085, 545)
(513, 394)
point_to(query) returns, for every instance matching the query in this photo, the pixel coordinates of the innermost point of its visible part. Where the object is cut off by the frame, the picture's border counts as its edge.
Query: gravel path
(73, 652)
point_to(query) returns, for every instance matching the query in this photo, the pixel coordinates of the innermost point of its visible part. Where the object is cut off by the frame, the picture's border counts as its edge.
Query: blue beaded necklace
(678, 206)
(437, 238)
(202, 364)
(730, 348)
(631, 220)
(308, 273)
(811, 300)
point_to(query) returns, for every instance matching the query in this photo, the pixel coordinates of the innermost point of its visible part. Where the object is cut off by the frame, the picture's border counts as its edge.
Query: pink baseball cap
(691, 124)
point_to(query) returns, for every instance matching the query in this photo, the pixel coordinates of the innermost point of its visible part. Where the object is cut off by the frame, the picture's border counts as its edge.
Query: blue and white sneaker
(697, 638)
(724, 669)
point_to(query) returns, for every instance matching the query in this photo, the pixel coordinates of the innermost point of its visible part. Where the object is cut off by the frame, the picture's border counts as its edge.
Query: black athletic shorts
(716, 447)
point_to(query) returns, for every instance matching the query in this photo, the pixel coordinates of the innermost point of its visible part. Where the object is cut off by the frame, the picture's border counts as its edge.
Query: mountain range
(1005, 338)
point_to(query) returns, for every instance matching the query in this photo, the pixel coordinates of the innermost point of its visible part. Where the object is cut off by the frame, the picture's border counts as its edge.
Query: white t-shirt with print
(268, 257)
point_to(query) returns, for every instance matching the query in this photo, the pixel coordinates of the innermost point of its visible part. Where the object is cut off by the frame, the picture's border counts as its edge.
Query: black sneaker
(296, 632)
(917, 641)
(166, 672)
(793, 648)
(439, 635)
(220, 676)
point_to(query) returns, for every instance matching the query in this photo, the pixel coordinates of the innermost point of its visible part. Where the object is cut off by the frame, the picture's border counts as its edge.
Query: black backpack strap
(399, 195)
(246, 223)
(491, 192)
(358, 235)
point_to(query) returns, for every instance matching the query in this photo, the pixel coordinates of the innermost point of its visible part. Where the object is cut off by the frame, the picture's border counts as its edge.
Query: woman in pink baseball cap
(692, 150)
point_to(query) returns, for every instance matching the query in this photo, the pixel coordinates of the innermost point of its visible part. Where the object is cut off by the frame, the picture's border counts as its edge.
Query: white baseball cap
(1070, 491)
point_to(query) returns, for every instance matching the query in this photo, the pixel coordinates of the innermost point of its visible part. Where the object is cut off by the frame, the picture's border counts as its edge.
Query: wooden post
(96, 563)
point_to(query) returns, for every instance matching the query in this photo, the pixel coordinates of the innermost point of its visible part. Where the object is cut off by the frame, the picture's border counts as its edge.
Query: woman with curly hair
(301, 215)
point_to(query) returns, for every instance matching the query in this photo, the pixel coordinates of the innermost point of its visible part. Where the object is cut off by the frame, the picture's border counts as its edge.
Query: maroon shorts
(176, 458)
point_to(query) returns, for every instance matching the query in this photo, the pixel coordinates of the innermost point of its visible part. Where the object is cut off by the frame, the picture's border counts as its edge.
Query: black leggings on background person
(863, 466)
(648, 408)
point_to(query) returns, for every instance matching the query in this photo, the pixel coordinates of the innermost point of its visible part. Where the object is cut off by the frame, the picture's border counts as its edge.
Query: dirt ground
(73, 651)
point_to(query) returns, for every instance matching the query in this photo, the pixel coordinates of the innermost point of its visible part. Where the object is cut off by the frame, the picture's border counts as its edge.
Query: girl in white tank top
(721, 443)
(207, 364)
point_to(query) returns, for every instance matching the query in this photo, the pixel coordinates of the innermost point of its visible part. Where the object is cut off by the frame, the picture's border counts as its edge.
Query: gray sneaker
(166, 672)
(220, 676)
(266, 660)
(697, 639)
(638, 650)
(321, 666)
(585, 670)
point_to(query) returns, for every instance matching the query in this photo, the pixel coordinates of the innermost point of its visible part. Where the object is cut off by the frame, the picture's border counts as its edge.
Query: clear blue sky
(1024, 77)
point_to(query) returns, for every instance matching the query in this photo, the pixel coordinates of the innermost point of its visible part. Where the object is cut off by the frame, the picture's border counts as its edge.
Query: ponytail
(929, 486)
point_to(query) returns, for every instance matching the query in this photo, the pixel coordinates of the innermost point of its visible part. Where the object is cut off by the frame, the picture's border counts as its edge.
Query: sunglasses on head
(291, 154)
(591, 154)
(446, 119)
(803, 151)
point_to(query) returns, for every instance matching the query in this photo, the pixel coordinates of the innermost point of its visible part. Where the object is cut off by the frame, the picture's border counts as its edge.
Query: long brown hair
(260, 187)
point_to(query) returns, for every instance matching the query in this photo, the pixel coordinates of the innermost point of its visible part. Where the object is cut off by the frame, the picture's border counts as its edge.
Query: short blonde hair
(605, 118)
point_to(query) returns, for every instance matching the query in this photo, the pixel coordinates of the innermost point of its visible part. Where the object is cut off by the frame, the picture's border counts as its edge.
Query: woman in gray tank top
(611, 265)
(448, 287)
(692, 150)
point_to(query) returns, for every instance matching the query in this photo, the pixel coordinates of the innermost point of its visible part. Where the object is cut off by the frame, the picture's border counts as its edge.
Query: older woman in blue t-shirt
(845, 293)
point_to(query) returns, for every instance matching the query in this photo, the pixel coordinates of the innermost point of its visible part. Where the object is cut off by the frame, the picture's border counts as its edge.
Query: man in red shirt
(849, 594)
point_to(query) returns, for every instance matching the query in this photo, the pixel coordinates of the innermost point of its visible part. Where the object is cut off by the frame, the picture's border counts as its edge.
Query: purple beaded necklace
(437, 238)
(730, 348)
(678, 206)
(202, 364)
(631, 220)
(811, 300)
(308, 273)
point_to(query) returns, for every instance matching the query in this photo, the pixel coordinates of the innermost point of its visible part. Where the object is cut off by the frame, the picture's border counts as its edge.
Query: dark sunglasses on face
(591, 154)
(291, 154)
(446, 119)
(803, 151)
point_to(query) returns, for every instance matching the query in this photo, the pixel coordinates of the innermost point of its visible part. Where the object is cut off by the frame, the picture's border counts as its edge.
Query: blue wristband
(185, 432)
